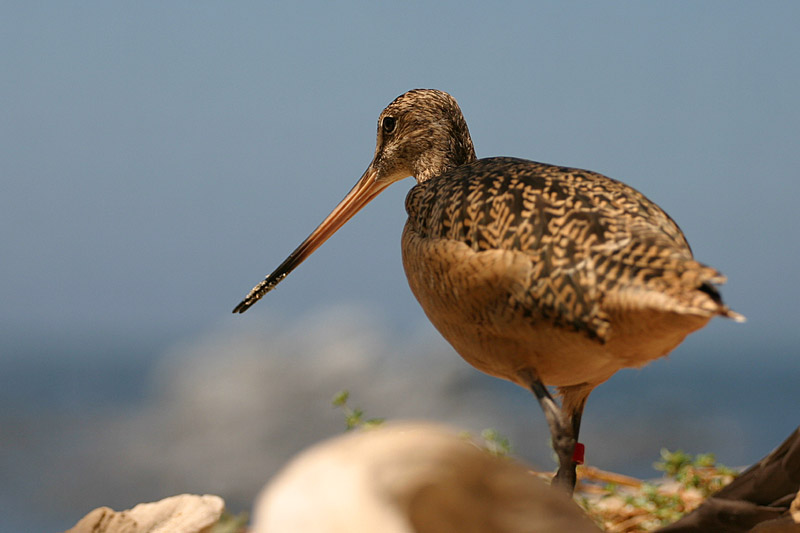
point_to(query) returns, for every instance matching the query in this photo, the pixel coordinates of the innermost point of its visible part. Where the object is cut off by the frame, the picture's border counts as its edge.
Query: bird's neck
(459, 151)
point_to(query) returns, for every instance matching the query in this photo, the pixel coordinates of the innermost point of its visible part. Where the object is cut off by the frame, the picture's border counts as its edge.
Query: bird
(547, 276)
(410, 477)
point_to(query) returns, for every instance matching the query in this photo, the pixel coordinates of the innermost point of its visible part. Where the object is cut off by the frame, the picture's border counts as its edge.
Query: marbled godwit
(542, 275)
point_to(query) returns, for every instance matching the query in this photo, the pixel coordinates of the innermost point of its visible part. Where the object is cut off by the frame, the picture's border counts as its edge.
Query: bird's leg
(573, 400)
(563, 432)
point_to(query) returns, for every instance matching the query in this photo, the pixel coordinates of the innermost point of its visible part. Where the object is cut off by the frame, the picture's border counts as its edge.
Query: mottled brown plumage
(538, 274)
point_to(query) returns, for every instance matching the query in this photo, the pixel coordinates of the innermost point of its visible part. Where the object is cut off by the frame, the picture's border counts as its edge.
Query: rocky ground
(385, 473)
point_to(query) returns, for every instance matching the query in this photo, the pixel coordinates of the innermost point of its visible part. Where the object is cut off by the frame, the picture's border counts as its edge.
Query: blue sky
(160, 158)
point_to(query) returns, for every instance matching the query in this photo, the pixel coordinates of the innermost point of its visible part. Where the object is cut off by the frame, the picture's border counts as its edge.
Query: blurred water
(116, 424)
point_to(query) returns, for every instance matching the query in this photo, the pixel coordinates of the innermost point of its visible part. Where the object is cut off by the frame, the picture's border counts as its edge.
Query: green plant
(699, 472)
(634, 506)
(354, 417)
(496, 443)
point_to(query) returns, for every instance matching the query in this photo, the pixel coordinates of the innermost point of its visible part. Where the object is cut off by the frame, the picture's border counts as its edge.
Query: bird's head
(422, 133)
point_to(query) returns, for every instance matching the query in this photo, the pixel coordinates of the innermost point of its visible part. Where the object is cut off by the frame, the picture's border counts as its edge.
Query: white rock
(185, 513)
(404, 478)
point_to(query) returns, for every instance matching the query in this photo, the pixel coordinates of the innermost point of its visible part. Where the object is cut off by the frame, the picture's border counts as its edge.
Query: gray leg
(564, 434)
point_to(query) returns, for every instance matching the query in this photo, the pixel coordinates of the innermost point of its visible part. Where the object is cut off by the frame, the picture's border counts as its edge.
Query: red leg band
(578, 454)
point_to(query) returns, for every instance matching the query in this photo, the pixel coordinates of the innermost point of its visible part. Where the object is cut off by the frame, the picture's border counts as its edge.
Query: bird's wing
(586, 236)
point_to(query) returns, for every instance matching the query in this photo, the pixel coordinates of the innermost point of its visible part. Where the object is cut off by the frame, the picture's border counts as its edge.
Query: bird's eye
(388, 124)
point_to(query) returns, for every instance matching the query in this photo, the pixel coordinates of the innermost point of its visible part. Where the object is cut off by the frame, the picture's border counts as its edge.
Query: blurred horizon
(222, 411)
